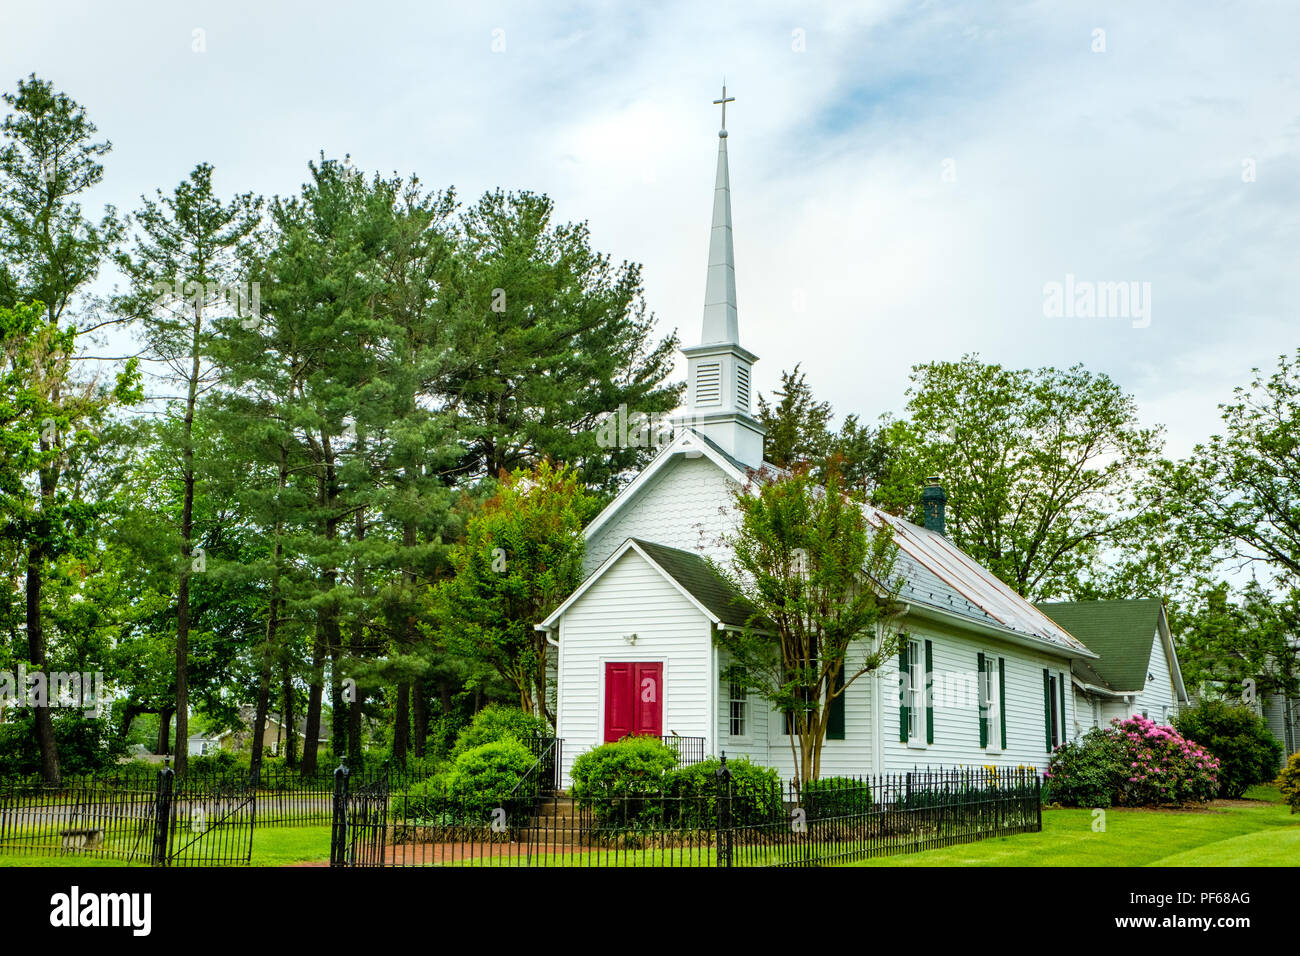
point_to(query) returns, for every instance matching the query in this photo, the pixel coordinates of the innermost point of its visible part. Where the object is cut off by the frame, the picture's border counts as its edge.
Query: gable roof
(697, 576)
(687, 442)
(690, 573)
(1122, 633)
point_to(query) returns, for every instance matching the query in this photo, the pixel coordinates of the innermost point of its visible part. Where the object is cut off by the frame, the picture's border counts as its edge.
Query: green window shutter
(1047, 708)
(904, 676)
(1061, 684)
(835, 715)
(929, 692)
(1002, 700)
(980, 691)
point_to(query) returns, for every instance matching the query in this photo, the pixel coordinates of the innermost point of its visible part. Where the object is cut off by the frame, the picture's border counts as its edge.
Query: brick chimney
(932, 501)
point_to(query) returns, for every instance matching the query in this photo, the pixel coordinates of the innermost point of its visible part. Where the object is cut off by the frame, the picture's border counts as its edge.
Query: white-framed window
(915, 693)
(737, 706)
(990, 700)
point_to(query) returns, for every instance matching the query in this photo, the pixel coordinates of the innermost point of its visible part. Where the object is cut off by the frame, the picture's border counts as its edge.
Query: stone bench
(82, 838)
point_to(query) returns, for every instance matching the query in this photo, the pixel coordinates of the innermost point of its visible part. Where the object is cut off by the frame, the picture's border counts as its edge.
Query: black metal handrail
(690, 750)
(532, 784)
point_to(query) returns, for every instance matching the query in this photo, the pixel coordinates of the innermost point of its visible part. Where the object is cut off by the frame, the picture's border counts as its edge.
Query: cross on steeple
(724, 101)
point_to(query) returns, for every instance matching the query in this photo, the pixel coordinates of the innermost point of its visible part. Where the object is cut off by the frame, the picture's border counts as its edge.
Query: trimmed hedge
(498, 722)
(830, 797)
(481, 780)
(630, 765)
(755, 792)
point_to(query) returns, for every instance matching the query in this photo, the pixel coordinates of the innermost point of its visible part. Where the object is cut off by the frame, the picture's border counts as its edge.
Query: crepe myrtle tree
(520, 557)
(820, 583)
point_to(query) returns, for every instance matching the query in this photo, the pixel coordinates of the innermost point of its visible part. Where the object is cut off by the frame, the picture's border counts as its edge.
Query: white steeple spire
(720, 324)
(719, 367)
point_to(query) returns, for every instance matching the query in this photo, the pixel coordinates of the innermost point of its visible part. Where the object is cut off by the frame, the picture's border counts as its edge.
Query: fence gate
(359, 835)
(209, 824)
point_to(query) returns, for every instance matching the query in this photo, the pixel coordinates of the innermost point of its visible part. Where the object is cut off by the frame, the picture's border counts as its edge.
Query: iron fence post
(722, 777)
(1038, 802)
(339, 824)
(162, 810)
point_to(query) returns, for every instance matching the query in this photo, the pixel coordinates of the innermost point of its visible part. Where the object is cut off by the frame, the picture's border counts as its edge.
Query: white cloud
(1123, 165)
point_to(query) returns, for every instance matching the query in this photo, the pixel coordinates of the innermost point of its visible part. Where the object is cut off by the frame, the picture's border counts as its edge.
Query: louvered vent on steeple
(708, 384)
(742, 388)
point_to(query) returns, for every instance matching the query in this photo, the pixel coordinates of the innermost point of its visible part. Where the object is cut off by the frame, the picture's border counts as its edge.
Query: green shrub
(1247, 751)
(621, 782)
(755, 793)
(830, 797)
(485, 777)
(1288, 781)
(630, 765)
(218, 762)
(1087, 773)
(498, 722)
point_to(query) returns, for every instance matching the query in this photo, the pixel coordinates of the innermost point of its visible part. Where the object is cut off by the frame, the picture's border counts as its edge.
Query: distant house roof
(1122, 633)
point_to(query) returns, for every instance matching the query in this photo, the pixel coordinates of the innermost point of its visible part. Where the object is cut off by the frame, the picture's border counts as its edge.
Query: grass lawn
(1259, 831)
(272, 846)
(1262, 832)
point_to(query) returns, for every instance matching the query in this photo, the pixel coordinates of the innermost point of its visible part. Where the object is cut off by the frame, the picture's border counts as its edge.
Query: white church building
(634, 645)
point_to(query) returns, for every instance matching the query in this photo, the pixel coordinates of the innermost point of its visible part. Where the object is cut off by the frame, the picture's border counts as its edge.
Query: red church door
(634, 695)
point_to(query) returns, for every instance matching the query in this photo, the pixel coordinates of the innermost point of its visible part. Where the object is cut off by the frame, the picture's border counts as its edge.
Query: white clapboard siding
(956, 706)
(769, 745)
(681, 507)
(1087, 712)
(632, 597)
(1157, 698)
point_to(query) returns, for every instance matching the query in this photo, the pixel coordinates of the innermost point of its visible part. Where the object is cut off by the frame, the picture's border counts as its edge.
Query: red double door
(634, 695)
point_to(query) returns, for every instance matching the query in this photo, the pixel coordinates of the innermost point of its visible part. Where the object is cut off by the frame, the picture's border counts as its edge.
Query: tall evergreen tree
(188, 269)
(553, 338)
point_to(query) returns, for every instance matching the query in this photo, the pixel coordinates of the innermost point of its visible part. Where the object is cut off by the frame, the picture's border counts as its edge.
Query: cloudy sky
(907, 177)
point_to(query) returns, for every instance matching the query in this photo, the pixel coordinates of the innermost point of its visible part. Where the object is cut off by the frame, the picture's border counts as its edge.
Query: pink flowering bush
(1133, 762)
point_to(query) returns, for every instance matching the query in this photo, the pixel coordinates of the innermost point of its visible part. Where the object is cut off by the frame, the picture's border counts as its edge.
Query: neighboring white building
(1137, 668)
(635, 642)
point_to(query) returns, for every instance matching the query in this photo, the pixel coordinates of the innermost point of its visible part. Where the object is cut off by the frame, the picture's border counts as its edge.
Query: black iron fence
(174, 822)
(725, 823)
(285, 798)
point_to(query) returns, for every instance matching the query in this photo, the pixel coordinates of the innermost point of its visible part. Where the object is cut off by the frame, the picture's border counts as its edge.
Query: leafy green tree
(1040, 467)
(49, 251)
(1247, 752)
(821, 585)
(1239, 486)
(522, 555)
(1223, 644)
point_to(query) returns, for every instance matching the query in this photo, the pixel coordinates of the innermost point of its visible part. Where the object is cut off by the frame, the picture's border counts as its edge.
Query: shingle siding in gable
(681, 507)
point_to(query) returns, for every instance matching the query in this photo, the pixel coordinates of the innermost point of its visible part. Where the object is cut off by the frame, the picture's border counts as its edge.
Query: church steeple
(717, 399)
